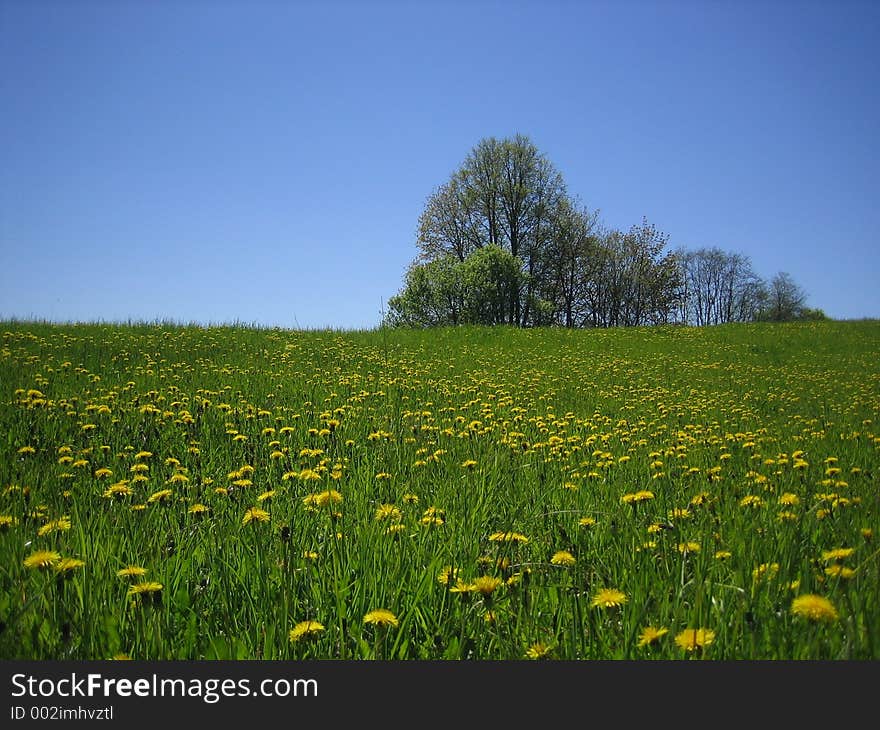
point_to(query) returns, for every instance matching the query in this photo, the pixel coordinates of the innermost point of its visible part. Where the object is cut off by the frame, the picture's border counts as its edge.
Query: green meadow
(182, 492)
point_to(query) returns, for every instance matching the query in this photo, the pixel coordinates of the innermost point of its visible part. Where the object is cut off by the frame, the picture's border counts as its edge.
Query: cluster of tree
(715, 287)
(502, 242)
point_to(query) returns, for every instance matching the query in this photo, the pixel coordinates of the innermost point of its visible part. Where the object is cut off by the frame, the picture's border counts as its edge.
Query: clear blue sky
(267, 162)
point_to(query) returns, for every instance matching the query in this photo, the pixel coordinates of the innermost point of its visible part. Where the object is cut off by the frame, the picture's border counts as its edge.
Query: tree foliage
(502, 242)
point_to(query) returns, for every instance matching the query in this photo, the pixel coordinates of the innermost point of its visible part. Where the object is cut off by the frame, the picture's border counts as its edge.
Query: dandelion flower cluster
(695, 639)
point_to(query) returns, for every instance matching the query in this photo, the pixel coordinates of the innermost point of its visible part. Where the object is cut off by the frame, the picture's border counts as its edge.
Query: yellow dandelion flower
(694, 639)
(62, 523)
(586, 521)
(462, 587)
(306, 630)
(608, 598)
(380, 617)
(322, 499)
(539, 650)
(814, 608)
(410, 499)
(7, 521)
(765, 571)
(688, 547)
(42, 559)
(198, 509)
(131, 571)
(119, 490)
(486, 584)
(446, 574)
(651, 634)
(266, 496)
(751, 500)
(27, 450)
(255, 514)
(310, 555)
(837, 554)
(789, 499)
(562, 557)
(66, 565)
(508, 537)
(641, 496)
(839, 571)
(103, 472)
(388, 512)
(163, 495)
(148, 589)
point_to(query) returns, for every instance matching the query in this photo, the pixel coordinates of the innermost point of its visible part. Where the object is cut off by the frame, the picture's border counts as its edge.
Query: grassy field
(669, 493)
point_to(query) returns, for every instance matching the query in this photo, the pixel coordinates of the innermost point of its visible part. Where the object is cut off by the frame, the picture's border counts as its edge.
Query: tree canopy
(503, 242)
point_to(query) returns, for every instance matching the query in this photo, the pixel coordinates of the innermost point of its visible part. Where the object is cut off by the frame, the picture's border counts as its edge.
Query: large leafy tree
(446, 291)
(506, 194)
(433, 295)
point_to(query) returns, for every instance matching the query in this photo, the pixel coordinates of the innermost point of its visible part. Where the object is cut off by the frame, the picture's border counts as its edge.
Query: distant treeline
(502, 242)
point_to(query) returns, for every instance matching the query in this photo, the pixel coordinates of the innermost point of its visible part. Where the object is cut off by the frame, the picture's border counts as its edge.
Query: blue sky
(266, 162)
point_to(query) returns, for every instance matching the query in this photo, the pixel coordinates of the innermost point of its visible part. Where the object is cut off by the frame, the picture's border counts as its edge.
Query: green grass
(758, 443)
